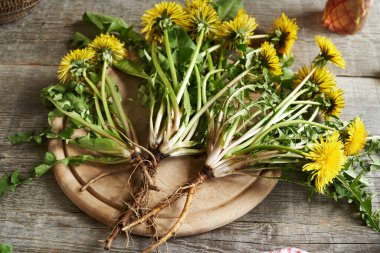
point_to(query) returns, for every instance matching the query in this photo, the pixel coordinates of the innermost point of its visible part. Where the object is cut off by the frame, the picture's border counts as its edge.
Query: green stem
(375, 137)
(130, 132)
(296, 90)
(191, 66)
(210, 63)
(199, 88)
(204, 89)
(104, 99)
(210, 102)
(166, 82)
(92, 85)
(220, 62)
(170, 59)
(94, 128)
(96, 100)
(305, 103)
(259, 36)
(287, 123)
(275, 147)
(99, 113)
(199, 104)
(210, 50)
(246, 140)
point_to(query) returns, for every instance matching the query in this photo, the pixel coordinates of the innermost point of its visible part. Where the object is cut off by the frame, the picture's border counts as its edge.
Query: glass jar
(345, 16)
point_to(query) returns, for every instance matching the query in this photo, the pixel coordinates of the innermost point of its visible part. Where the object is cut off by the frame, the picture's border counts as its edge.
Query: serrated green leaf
(132, 69)
(21, 137)
(15, 177)
(79, 40)
(50, 158)
(228, 9)
(28, 137)
(42, 169)
(105, 23)
(102, 145)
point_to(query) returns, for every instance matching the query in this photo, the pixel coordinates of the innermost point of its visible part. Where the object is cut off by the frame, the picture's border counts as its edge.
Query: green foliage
(109, 24)
(102, 145)
(6, 248)
(10, 181)
(182, 45)
(40, 136)
(105, 23)
(79, 40)
(26, 137)
(228, 9)
(355, 191)
(131, 68)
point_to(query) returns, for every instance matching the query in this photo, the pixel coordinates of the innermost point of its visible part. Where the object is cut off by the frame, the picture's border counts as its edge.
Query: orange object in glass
(345, 16)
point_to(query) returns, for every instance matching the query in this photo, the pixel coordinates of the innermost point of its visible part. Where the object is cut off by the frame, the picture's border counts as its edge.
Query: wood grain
(39, 218)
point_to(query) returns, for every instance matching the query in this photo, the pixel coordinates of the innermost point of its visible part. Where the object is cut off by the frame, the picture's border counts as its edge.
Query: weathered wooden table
(39, 218)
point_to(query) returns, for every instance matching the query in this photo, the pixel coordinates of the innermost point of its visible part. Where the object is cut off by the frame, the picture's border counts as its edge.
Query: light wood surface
(39, 218)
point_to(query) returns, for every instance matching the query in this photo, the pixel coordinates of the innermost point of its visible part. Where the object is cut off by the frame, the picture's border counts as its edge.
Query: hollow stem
(96, 101)
(191, 66)
(259, 36)
(210, 102)
(210, 50)
(170, 59)
(92, 85)
(276, 147)
(104, 98)
(173, 99)
(129, 130)
(93, 127)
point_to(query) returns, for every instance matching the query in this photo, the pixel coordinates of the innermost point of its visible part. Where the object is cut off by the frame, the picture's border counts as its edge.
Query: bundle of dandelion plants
(213, 88)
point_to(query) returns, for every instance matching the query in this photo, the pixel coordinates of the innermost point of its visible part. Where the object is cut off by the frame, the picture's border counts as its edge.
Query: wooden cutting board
(216, 202)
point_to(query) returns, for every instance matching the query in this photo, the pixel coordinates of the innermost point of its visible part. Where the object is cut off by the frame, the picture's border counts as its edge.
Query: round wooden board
(216, 202)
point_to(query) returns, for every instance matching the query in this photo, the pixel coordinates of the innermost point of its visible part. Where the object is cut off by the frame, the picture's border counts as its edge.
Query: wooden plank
(40, 218)
(35, 40)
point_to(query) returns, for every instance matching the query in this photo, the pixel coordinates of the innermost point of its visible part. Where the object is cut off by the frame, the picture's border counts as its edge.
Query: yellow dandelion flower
(162, 16)
(74, 64)
(108, 48)
(196, 4)
(285, 30)
(237, 31)
(329, 52)
(321, 77)
(202, 16)
(357, 137)
(336, 103)
(270, 59)
(327, 158)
